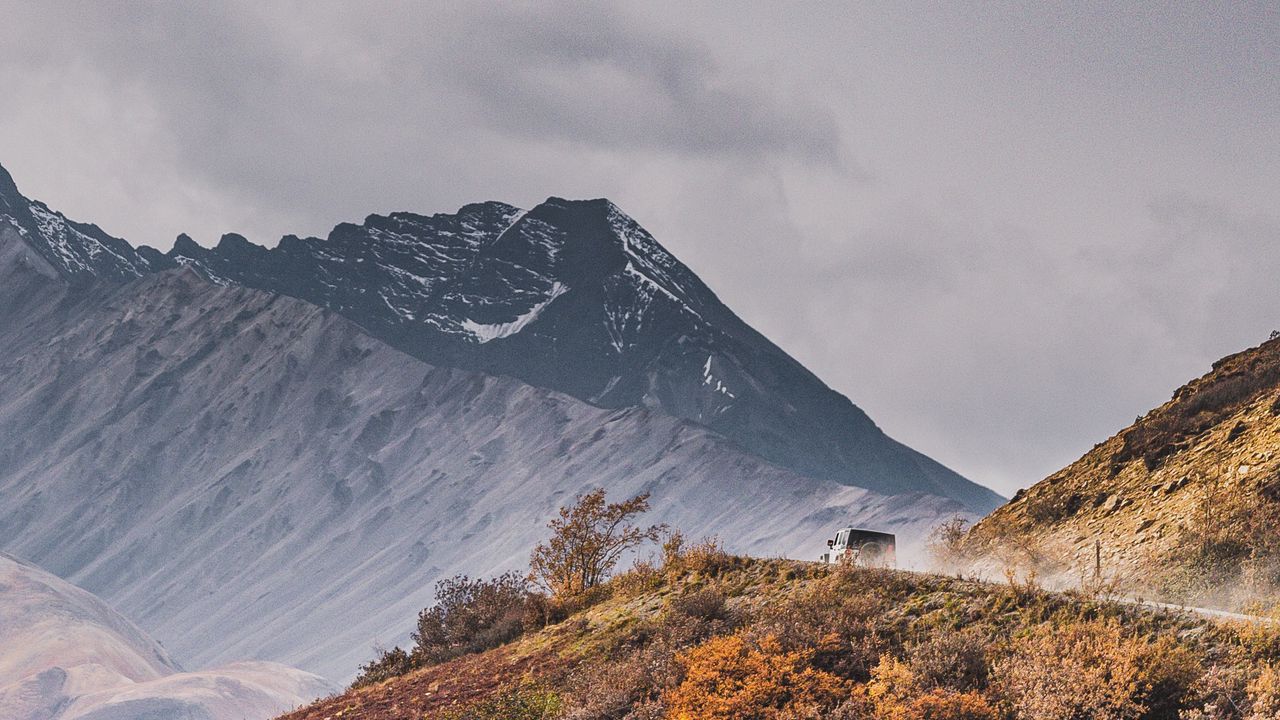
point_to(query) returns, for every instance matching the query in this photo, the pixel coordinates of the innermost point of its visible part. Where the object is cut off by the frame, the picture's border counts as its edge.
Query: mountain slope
(1187, 494)
(222, 464)
(733, 638)
(67, 655)
(572, 296)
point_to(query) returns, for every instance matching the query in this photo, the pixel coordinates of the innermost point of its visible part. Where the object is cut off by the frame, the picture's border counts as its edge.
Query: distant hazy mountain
(572, 296)
(66, 655)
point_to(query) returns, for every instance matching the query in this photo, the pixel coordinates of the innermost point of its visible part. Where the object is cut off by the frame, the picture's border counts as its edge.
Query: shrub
(704, 604)
(946, 544)
(1168, 674)
(897, 692)
(892, 687)
(605, 691)
(729, 677)
(563, 607)
(940, 704)
(951, 660)
(692, 618)
(588, 540)
(707, 557)
(1264, 694)
(1222, 694)
(388, 664)
(857, 707)
(643, 577)
(672, 549)
(834, 619)
(1092, 669)
(471, 616)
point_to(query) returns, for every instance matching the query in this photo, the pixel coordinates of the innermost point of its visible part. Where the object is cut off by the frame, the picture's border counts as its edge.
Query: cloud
(593, 76)
(327, 111)
(1004, 230)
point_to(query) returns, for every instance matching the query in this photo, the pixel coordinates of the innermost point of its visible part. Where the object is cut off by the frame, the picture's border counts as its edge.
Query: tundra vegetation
(695, 632)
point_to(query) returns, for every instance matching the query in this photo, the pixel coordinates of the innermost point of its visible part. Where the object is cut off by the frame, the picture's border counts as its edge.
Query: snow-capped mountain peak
(571, 295)
(77, 250)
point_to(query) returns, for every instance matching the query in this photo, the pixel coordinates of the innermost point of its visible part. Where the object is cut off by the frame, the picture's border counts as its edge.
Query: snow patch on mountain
(80, 252)
(484, 333)
(708, 379)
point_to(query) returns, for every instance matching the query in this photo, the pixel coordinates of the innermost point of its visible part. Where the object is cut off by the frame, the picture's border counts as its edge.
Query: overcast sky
(1004, 231)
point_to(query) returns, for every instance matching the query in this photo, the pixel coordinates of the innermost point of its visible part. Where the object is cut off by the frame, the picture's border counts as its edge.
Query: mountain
(247, 475)
(75, 250)
(69, 656)
(1183, 503)
(572, 296)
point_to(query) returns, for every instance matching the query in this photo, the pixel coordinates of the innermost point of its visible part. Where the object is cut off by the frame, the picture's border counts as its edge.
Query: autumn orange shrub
(1095, 669)
(734, 678)
(941, 704)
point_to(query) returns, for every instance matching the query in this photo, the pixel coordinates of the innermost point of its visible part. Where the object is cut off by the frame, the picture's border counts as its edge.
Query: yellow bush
(732, 678)
(892, 686)
(1264, 694)
(896, 694)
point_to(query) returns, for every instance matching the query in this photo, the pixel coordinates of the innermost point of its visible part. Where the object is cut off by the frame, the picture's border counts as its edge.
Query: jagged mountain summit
(572, 296)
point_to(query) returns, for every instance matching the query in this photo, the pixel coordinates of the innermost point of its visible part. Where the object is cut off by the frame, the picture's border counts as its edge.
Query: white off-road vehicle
(865, 548)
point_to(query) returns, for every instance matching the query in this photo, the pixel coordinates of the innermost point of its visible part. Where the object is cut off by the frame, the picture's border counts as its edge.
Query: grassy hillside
(712, 636)
(1184, 503)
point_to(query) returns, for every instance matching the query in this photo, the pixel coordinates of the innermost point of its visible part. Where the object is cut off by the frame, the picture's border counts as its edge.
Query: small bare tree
(946, 544)
(588, 539)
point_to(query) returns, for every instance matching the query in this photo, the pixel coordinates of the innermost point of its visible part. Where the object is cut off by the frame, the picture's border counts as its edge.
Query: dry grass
(782, 639)
(1200, 405)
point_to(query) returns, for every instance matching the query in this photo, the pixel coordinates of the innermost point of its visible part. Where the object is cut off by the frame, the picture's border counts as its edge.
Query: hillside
(68, 656)
(1183, 502)
(572, 296)
(221, 464)
(712, 636)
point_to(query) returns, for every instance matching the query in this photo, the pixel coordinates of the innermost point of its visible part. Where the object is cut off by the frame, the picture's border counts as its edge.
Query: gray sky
(1003, 230)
